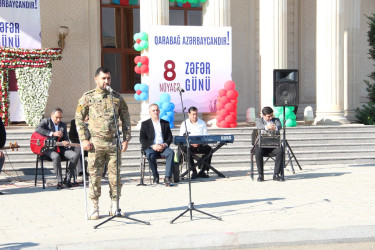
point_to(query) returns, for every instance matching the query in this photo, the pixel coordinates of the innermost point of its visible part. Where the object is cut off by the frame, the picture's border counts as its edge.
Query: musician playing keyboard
(196, 126)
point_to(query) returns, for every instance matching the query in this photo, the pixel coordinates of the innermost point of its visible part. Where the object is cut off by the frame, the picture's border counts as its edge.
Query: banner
(20, 24)
(195, 58)
(19, 28)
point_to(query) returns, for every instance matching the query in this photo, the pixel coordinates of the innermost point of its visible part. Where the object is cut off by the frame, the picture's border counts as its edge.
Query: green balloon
(289, 123)
(280, 109)
(143, 35)
(136, 36)
(292, 116)
(137, 47)
(202, 1)
(172, 1)
(139, 64)
(276, 113)
(281, 117)
(287, 112)
(144, 44)
(294, 123)
(291, 108)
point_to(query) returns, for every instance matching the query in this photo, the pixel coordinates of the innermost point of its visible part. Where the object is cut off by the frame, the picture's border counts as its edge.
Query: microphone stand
(190, 206)
(118, 147)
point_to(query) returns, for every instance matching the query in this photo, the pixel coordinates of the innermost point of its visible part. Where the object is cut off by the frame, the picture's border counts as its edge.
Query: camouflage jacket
(97, 104)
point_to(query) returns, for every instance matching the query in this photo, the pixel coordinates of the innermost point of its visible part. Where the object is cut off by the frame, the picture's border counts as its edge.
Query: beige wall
(73, 75)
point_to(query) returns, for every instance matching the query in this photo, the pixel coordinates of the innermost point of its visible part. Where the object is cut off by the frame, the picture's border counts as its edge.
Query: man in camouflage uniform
(101, 145)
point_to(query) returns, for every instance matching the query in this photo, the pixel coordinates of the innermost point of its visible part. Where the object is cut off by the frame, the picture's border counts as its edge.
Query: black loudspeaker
(285, 87)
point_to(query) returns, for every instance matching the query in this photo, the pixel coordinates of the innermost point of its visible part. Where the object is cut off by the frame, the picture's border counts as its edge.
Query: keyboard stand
(203, 160)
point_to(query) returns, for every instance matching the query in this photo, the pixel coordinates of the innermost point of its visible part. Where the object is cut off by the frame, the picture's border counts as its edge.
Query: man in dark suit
(54, 127)
(268, 122)
(155, 137)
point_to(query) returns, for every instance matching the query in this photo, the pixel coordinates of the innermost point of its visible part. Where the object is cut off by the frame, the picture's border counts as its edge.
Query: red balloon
(222, 92)
(230, 94)
(137, 69)
(229, 85)
(230, 119)
(139, 92)
(137, 59)
(224, 124)
(144, 69)
(235, 93)
(224, 99)
(234, 113)
(219, 118)
(233, 125)
(234, 101)
(138, 41)
(229, 106)
(218, 124)
(144, 60)
(219, 105)
(223, 112)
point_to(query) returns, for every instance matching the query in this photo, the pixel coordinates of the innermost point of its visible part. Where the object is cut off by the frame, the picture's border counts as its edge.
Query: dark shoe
(67, 182)
(59, 185)
(203, 174)
(260, 178)
(194, 175)
(80, 173)
(156, 180)
(277, 177)
(167, 181)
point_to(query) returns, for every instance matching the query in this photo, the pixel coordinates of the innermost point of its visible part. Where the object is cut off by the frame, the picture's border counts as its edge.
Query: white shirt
(158, 135)
(199, 128)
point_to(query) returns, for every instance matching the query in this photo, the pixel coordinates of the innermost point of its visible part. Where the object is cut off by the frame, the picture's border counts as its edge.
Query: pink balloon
(223, 124)
(137, 69)
(222, 92)
(144, 69)
(230, 94)
(224, 99)
(219, 118)
(218, 124)
(233, 125)
(234, 113)
(234, 101)
(230, 106)
(219, 105)
(223, 112)
(144, 60)
(139, 92)
(230, 119)
(229, 85)
(137, 59)
(235, 93)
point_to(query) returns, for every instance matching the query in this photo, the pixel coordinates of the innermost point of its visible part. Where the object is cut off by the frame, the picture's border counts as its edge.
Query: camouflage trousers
(96, 162)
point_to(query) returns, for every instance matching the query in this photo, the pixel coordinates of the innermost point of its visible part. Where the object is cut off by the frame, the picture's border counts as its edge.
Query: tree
(366, 113)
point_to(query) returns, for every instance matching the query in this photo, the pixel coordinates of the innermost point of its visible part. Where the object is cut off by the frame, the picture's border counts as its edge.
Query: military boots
(95, 210)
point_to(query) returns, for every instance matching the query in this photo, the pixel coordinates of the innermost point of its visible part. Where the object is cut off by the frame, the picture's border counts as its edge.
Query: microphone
(180, 89)
(109, 89)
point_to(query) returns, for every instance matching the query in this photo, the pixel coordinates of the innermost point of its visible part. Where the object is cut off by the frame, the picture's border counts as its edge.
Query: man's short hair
(267, 110)
(56, 110)
(153, 104)
(192, 108)
(102, 69)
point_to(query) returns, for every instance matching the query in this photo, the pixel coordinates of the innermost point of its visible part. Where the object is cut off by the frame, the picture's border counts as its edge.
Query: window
(118, 25)
(185, 14)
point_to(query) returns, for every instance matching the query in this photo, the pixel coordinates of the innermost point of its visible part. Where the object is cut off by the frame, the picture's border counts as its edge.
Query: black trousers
(203, 149)
(273, 152)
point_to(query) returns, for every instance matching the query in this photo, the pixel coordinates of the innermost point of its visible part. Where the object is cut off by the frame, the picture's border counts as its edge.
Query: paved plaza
(319, 207)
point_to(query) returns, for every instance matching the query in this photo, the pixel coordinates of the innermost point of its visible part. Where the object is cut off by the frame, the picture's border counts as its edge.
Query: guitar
(40, 144)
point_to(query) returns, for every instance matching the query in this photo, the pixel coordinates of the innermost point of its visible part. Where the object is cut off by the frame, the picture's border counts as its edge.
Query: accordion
(269, 139)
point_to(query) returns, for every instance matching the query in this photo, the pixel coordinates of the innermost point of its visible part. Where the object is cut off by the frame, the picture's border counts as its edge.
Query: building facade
(325, 40)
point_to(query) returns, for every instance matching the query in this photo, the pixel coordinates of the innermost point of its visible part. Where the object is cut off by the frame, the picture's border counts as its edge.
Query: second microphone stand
(190, 206)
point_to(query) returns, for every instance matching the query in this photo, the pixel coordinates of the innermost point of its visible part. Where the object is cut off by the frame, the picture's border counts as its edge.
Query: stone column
(272, 45)
(94, 44)
(351, 63)
(153, 12)
(331, 25)
(216, 13)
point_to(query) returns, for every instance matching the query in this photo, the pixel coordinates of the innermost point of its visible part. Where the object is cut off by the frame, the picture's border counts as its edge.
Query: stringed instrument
(40, 144)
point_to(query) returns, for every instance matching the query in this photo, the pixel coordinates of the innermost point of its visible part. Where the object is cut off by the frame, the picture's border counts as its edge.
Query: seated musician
(196, 126)
(54, 127)
(268, 122)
